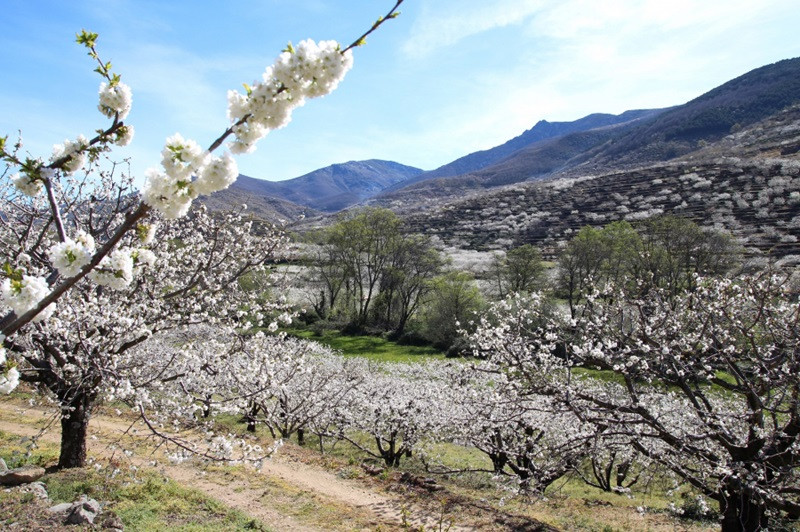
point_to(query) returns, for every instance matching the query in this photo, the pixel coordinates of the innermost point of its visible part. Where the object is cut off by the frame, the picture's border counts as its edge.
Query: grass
(144, 500)
(568, 504)
(141, 499)
(371, 347)
(18, 452)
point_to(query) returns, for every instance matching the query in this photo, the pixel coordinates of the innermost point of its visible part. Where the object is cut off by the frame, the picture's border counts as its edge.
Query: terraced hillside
(748, 184)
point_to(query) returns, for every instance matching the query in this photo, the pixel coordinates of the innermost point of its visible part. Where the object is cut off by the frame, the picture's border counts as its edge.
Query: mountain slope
(738, 103)
(748, 183)
(536, 161)
(542, 131)
(334, 187)
(267, 208)
(652, 137)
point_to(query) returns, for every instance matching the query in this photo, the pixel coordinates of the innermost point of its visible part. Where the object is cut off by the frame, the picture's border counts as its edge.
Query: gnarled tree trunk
(75, 413)
(740, 513)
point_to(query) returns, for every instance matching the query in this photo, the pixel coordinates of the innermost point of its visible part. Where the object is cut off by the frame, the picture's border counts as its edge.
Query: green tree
(664, 252)
(520, 270)
(455, 300)
(672, 249)
(407, 280)
(366, 269)
(581, 261)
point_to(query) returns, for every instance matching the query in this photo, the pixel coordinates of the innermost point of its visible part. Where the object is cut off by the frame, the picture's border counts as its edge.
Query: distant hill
(738, 103)
(728, 159)
(267, 208)
(334, 187)
(537, 160)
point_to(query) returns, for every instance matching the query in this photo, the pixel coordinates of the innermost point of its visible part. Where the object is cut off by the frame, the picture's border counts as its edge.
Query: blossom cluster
(27, 184)
(187, 171)
(115, 270)
(31, 183)
(9, 381)
(115, 99)
(71, 255)
(171, 190)
(74, 151)
(309, 70)
(25, 293)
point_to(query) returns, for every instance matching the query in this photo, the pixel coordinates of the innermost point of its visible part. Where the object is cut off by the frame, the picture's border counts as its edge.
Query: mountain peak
(334, 187)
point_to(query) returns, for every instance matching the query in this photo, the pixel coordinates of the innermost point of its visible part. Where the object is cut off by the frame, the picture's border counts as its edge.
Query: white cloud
(444, 23)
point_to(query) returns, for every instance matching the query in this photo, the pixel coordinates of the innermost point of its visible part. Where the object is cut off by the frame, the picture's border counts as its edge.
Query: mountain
(736, 104)
(648, 137)
(332, 188)
(542, 131)
(728, 159)
(538, 160)
(267, 208)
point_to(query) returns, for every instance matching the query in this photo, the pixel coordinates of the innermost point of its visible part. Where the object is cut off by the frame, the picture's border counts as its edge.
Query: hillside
(542, 131)
(726, 109)
(727, 158)
(267, 208)
(536, 161)
(749, 184)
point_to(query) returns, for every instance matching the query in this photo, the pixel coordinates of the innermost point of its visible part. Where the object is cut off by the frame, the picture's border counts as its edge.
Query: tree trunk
(74, 424)
(250, 417)
(740, 513)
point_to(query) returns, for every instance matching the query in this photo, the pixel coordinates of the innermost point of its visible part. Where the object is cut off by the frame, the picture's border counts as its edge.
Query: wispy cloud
(563, 60)
(444, 23)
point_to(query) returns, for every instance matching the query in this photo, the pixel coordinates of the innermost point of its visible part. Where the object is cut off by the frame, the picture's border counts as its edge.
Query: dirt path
(286, 494)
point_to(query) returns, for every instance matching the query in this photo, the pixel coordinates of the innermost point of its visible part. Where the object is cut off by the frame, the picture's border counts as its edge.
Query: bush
(411, 338)
(460, 348)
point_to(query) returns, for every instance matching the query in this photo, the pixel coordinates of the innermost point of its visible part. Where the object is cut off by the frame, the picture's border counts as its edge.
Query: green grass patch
(145, 500)
(18, 451)
(371, 347)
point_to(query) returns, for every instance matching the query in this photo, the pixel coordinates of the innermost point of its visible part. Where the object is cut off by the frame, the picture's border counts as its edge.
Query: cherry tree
(289, 385)
(83, 278)
(190, 273)
(705, 383)
(527, 436)
(614, 465)
(398, 406)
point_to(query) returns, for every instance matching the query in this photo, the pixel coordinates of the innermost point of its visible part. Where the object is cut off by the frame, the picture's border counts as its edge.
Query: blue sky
(446, 78)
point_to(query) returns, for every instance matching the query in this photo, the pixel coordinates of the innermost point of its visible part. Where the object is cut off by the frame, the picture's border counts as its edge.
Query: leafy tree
(672, 250)
(407, 280)
(454, 302)
(581, 262)
(664, 252)
(520, 270)
(371, 272)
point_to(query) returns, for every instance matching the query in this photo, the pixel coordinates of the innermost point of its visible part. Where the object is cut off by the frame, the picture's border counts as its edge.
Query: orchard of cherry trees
(666, 367)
